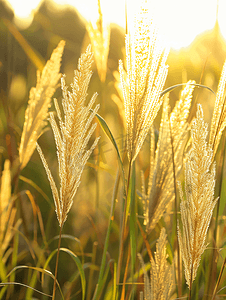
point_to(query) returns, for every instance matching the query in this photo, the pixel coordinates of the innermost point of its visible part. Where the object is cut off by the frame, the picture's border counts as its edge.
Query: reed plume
(173, 129)
(38, 104)
(161, 274)
(146, 75)
(197, 209)
(7, 212)
(100, 39)
(5, 195)
(219, 114)
(118, 98)
(72, 136)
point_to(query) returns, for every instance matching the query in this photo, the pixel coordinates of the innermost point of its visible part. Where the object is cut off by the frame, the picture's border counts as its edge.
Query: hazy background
(193, 29)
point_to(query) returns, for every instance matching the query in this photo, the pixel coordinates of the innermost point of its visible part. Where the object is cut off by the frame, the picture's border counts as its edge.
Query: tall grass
(162, 213)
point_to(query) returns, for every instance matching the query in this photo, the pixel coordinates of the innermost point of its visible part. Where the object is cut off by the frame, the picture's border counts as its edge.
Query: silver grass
(161, 274)
(38, 104)
(146, 75)
(218, 122)
(197, 209)
(72, 136)
(172, 134)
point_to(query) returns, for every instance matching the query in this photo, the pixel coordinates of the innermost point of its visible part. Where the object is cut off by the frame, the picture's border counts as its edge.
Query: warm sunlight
(178, 21)
(112, 149)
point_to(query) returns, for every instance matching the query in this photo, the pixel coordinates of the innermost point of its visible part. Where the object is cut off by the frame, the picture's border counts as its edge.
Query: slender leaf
(111, 218)
(78, 263)
(70, 237)
(169, 89)
(107, 131)
(35, 186)
(24, 285)
(31, 53)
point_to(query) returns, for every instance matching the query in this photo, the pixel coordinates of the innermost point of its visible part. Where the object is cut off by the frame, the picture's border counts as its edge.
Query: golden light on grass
(146, 74)
(161, 275)
(113, 230)
(5, 195)
(172, 133)
(100, 39)
(72, 137)
(7, 212)
(38, 105)
(197, 209)
(218, 123)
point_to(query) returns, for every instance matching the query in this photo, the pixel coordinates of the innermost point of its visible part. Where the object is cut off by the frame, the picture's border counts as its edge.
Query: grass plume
(161, 275)
(160, 191)
(197, 209)
(38, 104)
(219, 114)
(72, 136)
(146, 75)
(100, 39)
(7, 212)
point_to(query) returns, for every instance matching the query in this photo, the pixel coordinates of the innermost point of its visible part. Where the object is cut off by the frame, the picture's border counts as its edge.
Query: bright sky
(179, 21)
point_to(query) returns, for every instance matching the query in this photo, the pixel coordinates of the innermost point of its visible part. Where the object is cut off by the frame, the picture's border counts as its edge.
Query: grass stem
(57, 261)
(123, 226)
(103, 261)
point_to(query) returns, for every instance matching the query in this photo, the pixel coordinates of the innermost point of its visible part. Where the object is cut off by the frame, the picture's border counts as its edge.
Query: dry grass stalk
(161, 274)
(100, 39)
(197, 209)
(219, 115)
(160, 191)
(7, 213)
(146, 75)
(72, 136)
(38, 104)
(5, 195)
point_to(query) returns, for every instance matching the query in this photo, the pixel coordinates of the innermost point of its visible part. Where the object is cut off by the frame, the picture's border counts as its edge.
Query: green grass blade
(80, 268)
(78, 263)
(37, 188)
(70, 237)
(31, 268)
(24, 285)
(2, 270)
(169, 89)
(107, 131)
(14, 256)
(111, 218)
(100, 286)
(114, 281)
(2, 292)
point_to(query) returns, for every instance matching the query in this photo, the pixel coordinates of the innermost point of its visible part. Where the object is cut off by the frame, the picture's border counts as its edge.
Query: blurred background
(30, 30)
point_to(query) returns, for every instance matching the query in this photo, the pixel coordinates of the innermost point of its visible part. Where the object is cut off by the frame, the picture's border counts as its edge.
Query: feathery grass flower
(100, 39)
(72, 136)
(218, 123)
(146, 75)
(197, 209)
(38, 105)
(5, 195)
(7, 212)
(161, 274)
(172, 133)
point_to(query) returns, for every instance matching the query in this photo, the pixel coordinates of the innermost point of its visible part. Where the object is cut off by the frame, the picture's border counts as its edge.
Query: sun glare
(179, 22)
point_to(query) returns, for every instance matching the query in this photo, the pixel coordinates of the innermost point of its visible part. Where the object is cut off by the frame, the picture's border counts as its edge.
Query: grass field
(112, 175)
